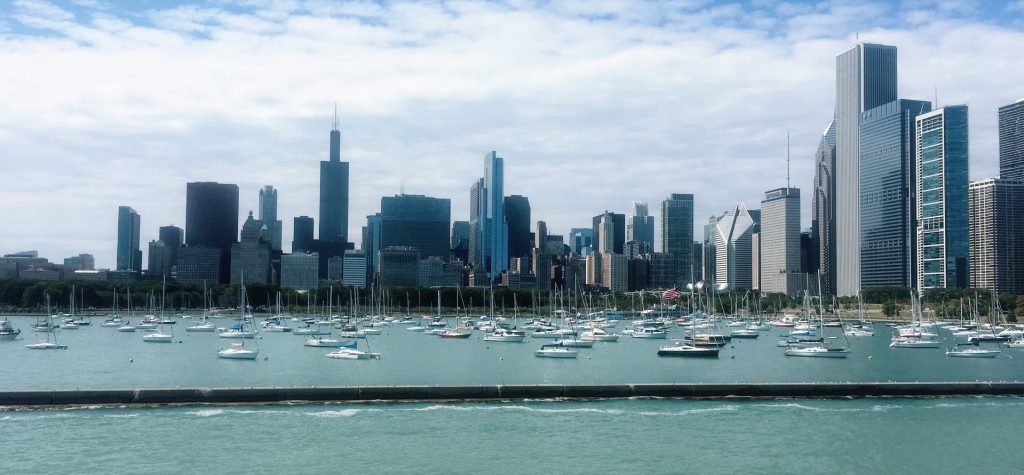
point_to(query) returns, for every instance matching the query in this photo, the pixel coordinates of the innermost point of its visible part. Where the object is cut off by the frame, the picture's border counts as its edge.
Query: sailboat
(678, 348)
(203, 326)
(821, 350)
(115, 319)
(453, 333)
(158, 335)
(44, 323)
(351, 353)
(977, 351)
(238, 351)
(913, 337)
(47, 344)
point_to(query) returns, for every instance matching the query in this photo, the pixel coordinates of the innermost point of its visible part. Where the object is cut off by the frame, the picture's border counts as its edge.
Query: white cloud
(593, 104)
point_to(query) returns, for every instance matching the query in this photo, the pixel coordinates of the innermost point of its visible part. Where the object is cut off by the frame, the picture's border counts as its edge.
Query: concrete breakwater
(71, 397)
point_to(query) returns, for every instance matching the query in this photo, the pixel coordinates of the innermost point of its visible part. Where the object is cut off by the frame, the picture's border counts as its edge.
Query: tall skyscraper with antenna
(334, 191)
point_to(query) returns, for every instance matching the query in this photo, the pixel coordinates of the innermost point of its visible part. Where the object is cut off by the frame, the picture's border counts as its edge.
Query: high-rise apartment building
(942, 200)
(865, 79)
(300, 271)
(129, 256)
(1011, 141)
(677, 234)
(354, 270)
(779, 242)
(211, 219)
(334, 192)
(997, 235)
(887, 206)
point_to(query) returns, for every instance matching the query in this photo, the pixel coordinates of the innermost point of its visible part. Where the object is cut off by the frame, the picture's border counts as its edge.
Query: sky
(593, 104)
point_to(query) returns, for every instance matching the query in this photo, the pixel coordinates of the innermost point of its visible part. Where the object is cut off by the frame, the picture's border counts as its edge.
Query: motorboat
(7, 331)
(574, 343)
(201, 328)
(745, 333)
(598, 334)
(319, 342)
(907, 342)
(649, 332)
(819, 352)
(1018, 343)
(506, 335)
(237, 351)
(416, 328)
(556, 351)
(685, 350)
(353, 354)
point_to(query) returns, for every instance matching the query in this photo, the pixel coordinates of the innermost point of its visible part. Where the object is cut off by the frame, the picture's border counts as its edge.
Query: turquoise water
(948, 435)
(104, 358)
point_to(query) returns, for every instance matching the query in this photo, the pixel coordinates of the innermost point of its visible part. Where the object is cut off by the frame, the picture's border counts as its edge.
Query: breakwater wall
(68, 397)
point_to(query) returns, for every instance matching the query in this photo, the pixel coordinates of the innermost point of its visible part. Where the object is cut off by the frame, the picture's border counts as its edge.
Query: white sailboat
(238, 351)
(158, 335)
(821, 350)
(204, 325)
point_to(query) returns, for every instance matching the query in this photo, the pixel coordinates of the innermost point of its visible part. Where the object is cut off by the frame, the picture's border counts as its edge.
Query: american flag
(670, 294)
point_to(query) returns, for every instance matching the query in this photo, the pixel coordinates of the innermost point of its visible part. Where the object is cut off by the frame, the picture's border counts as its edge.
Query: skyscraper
(211, 219)
(302, 234)
(129, 256)
(606, 234)
(250, 257)
(734, 248)
(268, 216)
(997, 235)
(497, 227)
(641, 225)
(477, 224)
(780, 242)
(677, 234)
(416, 221)
(460, 240)
(1011, 141)
(887, 207)
(823, 209)
(517, 215)
(865, 79)
(942, 201)
(488, 233)
(581, 240)
(334, 192)
(618, 232)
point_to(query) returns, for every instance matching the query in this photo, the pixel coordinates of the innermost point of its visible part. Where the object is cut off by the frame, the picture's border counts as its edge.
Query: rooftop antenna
(787, 160)
(401, 187)
(335, 115)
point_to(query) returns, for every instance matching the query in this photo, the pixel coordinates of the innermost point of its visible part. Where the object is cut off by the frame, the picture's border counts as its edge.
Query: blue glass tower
(887, 209)
(496, 238)
(942, 199)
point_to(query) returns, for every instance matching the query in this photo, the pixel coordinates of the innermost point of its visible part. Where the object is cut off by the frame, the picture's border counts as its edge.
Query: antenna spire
(787, 160)
(335, 116)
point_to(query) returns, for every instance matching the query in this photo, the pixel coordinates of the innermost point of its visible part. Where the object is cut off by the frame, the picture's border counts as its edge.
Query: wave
(450, 407)
(804, 407)
(690, 412)
(340, 413)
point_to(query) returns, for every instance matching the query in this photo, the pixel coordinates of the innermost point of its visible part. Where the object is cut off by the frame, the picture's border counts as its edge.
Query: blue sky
(593, 104)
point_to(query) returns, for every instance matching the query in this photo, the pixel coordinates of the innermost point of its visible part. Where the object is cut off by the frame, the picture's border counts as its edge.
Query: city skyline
(591, 115)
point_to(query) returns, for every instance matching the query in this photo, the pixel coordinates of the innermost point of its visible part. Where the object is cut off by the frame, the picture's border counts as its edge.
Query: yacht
(7, 331)
(505, 334)
(204, 327)
(237, 351)
(682, 349)
(910, 342)
(454, 334)
(157, 336)
(46, 345)
(319, 342)
(819, 352)
(237, 330)
(556, 351)
(972, 353)
(649, 332)
(353, 354)
(574, 343)
(597, 334)
(745, 333)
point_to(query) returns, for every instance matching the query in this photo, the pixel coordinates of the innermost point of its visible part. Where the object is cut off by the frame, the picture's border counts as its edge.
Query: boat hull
(691, 352)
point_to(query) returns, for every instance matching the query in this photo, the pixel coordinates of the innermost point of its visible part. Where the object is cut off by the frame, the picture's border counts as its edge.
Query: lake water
(100, 357)
(946, 435)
